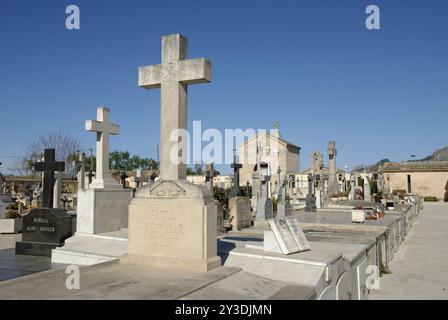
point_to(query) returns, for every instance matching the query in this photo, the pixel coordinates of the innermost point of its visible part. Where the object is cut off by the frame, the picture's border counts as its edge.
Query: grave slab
(13, 266)
(320, 268)
(112, 281)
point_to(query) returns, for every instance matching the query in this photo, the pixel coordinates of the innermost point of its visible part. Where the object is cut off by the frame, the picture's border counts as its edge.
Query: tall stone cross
(173, 76)
(332, 177)
(103, 129)
(48, 167)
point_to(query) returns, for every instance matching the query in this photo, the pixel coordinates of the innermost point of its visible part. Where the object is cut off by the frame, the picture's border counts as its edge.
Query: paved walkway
(420, 267)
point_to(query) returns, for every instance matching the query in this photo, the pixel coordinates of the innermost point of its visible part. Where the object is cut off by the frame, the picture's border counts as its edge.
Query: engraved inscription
(40, 224)
(164, 229)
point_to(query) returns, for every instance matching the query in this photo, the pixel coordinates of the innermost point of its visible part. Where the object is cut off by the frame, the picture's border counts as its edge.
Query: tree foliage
(65, 145)
(123, 161)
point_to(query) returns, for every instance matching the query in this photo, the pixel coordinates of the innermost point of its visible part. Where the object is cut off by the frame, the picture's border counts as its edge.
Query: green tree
(123, 161)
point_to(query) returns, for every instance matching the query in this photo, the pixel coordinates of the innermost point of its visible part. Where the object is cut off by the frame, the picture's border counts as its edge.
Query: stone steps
(86, 250)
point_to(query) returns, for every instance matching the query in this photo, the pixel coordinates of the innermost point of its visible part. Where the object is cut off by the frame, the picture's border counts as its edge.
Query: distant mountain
(372, 167)
(438, 155)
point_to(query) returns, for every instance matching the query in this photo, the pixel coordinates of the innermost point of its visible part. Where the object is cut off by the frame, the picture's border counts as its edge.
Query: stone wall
(423, 183)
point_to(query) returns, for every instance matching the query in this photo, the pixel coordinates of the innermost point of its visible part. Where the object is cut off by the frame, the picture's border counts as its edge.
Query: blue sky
(311, 65)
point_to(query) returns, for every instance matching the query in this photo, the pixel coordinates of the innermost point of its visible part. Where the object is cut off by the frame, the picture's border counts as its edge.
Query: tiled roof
(417, 166)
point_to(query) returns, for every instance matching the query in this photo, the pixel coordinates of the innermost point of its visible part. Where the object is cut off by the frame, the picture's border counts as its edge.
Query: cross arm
(195, 71)
(150, 77)
(49, 166)
(97, 126)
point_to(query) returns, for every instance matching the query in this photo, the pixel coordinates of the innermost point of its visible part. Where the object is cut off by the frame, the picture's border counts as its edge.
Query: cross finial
(276, 125)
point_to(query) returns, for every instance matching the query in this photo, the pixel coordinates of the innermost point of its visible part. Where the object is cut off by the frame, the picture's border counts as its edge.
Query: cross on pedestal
(173, 76)
(103, 129)
(48, 167)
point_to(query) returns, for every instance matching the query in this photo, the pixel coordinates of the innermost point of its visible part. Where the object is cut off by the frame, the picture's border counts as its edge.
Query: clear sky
(311, 65)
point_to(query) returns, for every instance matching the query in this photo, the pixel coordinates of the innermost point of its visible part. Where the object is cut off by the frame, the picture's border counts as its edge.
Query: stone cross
(352, 190)
(48, 167)
(332, 178)
(209, 174)
(123, 176)
(173, 76)
(367, 190)
(236, 177)
(103, 129)
(264, 205)
(91, 175)
(81, 170)
(310, 199)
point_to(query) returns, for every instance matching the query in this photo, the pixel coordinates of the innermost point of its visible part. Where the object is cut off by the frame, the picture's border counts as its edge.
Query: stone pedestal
(173, 225)
(102, 210)
(43, 230)
(240, 213)
(11, 225)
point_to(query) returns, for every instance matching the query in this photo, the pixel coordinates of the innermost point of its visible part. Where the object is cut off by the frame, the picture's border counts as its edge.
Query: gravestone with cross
(91, 175)
(173, 223)
(103, 129)
(333, 186)
(173, 76)
(284, 207)
(310, 198)
(236, 178)
(123, 176)
(103, 206)
(45, 228)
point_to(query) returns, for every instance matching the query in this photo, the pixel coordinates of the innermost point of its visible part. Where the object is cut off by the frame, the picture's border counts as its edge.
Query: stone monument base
(172, 224)
(102, 210)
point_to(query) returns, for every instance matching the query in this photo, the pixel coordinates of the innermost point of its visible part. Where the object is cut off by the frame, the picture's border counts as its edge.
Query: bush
(275, 202)
(222, 196)
(431, 199)
(12, 214)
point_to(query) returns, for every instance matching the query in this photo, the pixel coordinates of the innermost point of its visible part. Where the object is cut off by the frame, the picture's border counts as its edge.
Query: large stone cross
(103, 129)
(173, 76)
(48, 167)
